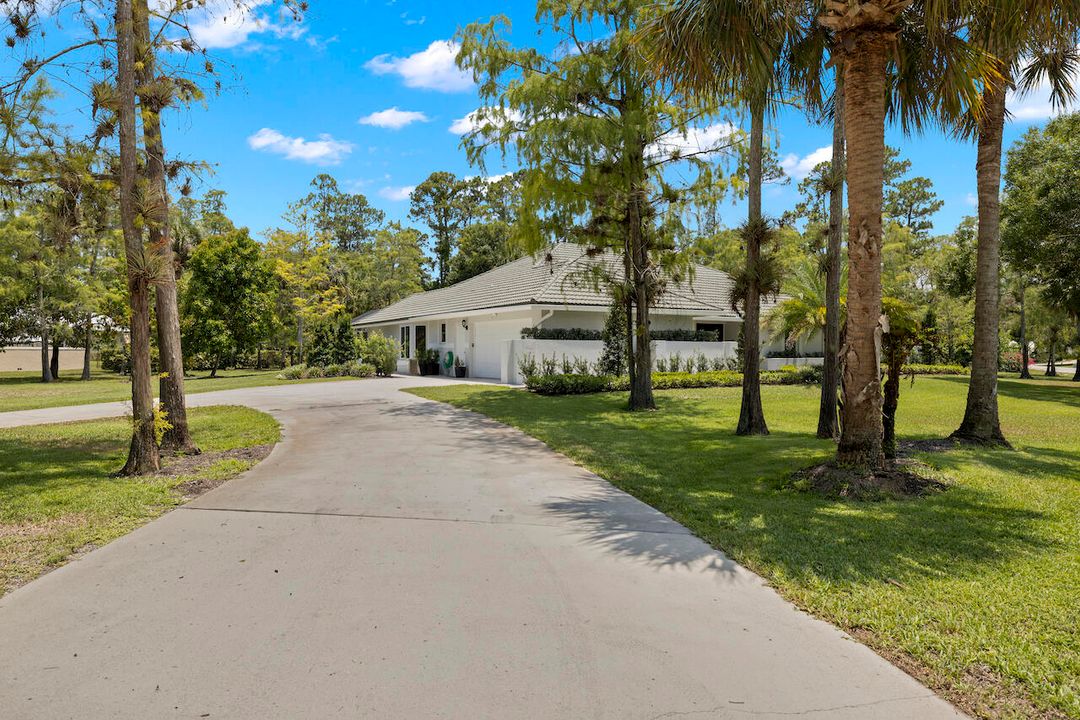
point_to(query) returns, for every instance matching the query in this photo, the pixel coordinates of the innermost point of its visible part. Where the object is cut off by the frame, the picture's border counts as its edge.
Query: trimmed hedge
(921, 369)
(572, 384)
(533, 333)
(583, 384)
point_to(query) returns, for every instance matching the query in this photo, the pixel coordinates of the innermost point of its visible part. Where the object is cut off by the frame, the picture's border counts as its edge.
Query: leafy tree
(228, 302)
(613, 358)
(912, 202)
(481, 247)
(956, 273)
(347, 220)
(332, 342)
(594, 130)
(1042, 210)
(900, 338)
(446, 204)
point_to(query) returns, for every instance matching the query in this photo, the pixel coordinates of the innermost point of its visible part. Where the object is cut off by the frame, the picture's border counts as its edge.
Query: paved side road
(397, 558)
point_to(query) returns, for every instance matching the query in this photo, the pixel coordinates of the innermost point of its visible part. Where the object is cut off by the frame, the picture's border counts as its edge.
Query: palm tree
(1032, 41)
(910, 58)
(805, 313)
(734, 49)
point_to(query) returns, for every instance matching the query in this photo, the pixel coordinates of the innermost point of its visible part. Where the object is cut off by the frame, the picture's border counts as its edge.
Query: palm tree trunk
(864, 119)
(88, 343)
(1025, 358)
(981, 424)
(751, 414)
(177, 438)
(143, 454)
(828, 421)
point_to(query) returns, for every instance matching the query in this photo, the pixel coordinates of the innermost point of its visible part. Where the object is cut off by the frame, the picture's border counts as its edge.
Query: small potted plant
(460, 370)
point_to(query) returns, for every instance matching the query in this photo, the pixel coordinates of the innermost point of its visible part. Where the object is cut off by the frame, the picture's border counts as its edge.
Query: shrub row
(349, 369)
(534, 333)
(583, 384)
(922, 369)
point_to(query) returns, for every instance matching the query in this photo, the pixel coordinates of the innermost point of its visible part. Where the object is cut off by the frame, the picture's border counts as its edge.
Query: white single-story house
(479, 321)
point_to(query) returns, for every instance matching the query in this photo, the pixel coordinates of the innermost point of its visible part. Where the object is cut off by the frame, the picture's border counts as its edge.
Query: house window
(717, 328)
(442, 333)
(405, 341)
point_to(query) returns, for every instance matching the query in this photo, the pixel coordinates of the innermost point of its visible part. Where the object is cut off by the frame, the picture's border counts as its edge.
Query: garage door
(487, 348)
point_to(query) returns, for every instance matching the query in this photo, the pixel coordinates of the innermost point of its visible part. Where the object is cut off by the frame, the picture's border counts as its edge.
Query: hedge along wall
(590, 351)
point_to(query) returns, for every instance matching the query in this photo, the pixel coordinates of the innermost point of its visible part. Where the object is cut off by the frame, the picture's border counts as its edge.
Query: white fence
(590, 350)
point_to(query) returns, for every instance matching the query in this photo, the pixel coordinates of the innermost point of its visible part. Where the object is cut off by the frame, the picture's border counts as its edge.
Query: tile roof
(560, 275)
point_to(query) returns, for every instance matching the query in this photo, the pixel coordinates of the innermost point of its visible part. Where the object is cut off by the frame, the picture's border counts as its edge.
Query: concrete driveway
(396, 558)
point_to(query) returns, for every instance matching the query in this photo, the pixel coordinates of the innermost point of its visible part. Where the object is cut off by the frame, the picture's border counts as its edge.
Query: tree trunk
(828, 421)
(864, 120)
(54, 363)
(1051, 365)
(1076, 374)
(751, 415)
(43, 330)
(213, 369)
(891, 402)
(1025, 374)
(143, 455)
(177, 439)
(88, 345)
(981, 424)
(300, 339)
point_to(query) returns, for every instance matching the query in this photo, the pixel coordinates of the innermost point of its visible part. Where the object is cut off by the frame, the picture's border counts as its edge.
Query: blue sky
(366, 90)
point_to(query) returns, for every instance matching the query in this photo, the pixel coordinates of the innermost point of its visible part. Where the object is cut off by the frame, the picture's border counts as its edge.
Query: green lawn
(57, 497)
(25, 391)
(975, 590)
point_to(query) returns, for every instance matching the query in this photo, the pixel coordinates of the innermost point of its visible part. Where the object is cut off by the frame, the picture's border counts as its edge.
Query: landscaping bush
(115, 358)
(379, 351)
(582, 384)
(331, 343)
(349, 369)
(923, 369)
(294, 372)
(359, 369)
(1011, 362)
(533, 333)
(569, 384)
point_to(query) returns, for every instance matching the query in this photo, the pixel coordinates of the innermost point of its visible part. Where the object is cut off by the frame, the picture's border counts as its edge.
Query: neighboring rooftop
(558, 276)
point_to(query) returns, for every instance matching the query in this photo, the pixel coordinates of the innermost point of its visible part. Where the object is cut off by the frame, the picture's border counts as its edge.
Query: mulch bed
(904, 478)
(179, 465)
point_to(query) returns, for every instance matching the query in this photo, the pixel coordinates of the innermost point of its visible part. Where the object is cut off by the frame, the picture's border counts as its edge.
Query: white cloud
(393, 118)
(397, 194)
(226, 23)
(324, 151)
(972, 199)
(413, 21)
(433, 68)
(702, 141)
(799, 167)
(484, 116)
